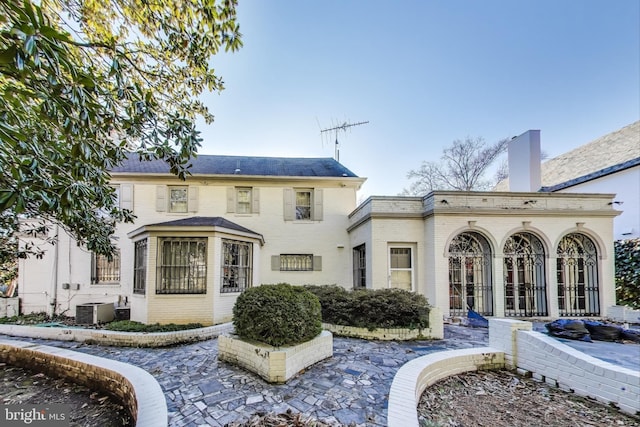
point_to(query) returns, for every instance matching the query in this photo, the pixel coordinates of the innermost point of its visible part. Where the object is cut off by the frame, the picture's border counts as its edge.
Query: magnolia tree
(81, 85)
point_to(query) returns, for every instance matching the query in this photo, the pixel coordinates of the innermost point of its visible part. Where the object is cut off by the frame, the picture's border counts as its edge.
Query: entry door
(401, 268)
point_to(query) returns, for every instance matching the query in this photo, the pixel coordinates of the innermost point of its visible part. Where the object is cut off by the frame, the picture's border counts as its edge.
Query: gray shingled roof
(610, 153)
(243, 165)
(204, 221)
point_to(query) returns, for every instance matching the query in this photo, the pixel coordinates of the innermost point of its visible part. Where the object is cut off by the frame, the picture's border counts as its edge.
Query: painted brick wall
(120, 339)
(275, 364)
(559, 365)
(549, 360)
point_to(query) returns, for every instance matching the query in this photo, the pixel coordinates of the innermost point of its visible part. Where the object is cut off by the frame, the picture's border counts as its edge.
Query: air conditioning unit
(94, 312)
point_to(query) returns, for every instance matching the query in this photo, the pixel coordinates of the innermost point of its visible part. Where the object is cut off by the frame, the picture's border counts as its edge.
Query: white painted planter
(274, 364)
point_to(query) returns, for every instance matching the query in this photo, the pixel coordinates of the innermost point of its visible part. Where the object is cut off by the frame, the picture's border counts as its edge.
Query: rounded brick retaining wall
(135, 387)
(416, 375)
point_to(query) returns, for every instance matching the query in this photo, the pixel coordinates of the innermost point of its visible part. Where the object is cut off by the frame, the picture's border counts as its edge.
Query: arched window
(470, 284)
(577, 270)
(525, 289)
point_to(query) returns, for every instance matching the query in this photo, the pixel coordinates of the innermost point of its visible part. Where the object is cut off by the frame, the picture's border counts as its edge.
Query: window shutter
(255, 203)
(192, 203)
(275, 262)
(161, 198)
(289, 206)
(126, 196)
(317, 205)
(231, 199)
(317, 263)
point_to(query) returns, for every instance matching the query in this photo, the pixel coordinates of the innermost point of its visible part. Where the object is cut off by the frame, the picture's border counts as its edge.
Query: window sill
(167, 295)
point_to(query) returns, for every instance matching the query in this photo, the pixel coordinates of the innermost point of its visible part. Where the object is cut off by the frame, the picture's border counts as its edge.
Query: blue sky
(423, 73)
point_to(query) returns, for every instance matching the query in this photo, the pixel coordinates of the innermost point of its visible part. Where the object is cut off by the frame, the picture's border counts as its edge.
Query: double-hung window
(359, 267)
(175, 198)
(243, 200)
(303, 204)
(140, 267)
(236, 266)
(182, 265)
(178, 199)
(401, 268)
(105, 269)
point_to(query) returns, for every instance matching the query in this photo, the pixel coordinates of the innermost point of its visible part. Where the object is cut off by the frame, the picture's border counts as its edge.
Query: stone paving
(351, 388)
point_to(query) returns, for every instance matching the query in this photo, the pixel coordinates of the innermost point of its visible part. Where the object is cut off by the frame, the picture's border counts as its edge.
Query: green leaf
(8, 55)
(29, 44)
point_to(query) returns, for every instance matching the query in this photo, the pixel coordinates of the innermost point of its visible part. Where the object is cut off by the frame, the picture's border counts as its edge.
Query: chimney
(524, 162)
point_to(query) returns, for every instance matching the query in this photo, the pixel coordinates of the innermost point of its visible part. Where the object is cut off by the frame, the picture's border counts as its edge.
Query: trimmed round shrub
(278, 315)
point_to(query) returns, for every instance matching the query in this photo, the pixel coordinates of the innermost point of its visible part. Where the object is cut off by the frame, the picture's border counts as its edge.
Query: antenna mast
(343, 127)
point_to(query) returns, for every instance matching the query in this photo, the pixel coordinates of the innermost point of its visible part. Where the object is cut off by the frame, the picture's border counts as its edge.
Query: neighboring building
(609, 164)
(239, 222)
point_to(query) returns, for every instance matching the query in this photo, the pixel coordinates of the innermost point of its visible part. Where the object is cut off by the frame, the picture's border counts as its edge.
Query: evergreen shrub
(372, 309)
(278, 315)
(627, 258)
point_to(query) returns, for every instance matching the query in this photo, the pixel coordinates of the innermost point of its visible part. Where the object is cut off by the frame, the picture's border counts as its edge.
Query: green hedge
(627, 256)
(372, 309)
(132, 326)
(278, 315)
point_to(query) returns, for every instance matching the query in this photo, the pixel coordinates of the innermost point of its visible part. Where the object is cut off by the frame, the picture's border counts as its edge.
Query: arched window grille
(470, 284)
(577, 272)
(525, 292)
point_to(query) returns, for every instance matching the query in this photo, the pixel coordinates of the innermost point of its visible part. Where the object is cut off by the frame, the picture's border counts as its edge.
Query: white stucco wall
(626, 186)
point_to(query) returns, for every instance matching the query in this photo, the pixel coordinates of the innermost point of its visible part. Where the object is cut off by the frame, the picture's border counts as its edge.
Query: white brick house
(244, 221)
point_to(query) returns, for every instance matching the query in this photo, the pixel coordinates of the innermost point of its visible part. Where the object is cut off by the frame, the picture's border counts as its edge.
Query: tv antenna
(343, 127)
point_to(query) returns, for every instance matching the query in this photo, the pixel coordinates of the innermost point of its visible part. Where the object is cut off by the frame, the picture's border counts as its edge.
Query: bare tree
(461, 167)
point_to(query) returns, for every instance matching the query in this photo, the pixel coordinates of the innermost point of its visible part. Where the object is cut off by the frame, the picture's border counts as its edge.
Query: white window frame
(244, 207)
(299, 217)
(236, 278)
(360, 266)
(171, 208)
(411, 259)
(141, 248)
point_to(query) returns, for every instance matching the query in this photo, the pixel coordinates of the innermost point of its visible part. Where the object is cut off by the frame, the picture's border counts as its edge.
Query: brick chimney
(524, 162)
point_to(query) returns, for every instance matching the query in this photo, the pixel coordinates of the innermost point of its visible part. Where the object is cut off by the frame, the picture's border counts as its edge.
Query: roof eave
(162, 228)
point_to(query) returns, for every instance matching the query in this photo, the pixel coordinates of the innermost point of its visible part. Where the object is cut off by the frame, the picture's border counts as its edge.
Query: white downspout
(53, 296)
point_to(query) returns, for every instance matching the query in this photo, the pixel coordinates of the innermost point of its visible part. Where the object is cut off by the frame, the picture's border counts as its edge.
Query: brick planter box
(274, 364)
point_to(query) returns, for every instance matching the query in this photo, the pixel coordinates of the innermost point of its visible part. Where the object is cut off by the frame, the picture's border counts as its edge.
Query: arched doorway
(525, 289)
(577, 272)
(470, 284)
